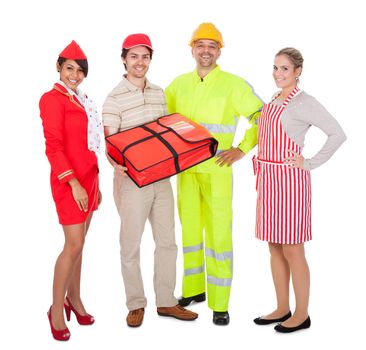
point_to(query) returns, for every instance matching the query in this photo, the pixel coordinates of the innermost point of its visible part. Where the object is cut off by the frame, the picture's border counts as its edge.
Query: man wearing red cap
(135, 101)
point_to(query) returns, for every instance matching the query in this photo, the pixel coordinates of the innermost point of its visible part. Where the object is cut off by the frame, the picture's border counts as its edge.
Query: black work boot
(221, 318)
(197, 298)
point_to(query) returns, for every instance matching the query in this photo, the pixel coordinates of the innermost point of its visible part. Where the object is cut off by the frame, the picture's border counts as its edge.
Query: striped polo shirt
(127, 106)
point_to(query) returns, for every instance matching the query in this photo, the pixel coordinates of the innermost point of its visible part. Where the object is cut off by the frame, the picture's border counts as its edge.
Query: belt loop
(255, 165)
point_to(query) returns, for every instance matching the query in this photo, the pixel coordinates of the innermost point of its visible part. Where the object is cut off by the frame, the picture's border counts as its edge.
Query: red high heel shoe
(84, 320)
(61, 334)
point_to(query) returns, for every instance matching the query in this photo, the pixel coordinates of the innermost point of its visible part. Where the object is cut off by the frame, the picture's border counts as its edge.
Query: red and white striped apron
(283, 193)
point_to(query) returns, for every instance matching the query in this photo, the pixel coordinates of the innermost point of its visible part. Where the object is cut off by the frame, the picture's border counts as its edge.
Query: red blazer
(65, 127)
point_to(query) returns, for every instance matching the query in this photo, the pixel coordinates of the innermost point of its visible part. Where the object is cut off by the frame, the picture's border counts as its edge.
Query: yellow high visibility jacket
(216, 102)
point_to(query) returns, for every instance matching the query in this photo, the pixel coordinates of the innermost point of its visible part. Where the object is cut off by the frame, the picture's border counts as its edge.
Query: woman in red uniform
(284, 189)
(72, 131)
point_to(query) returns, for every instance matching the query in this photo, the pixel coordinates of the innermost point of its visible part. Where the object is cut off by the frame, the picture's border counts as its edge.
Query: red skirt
(67, 210)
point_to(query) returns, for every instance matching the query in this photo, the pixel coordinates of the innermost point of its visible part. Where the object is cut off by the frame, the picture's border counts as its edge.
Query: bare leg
(295, 255)
(64, 268)
(281, 279)
(73, 292)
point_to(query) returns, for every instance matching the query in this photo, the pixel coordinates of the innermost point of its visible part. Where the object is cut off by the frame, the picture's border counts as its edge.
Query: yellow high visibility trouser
(205, 210)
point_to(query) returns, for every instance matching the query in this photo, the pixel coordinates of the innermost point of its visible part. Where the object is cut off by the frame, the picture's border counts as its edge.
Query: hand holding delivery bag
(162, 148)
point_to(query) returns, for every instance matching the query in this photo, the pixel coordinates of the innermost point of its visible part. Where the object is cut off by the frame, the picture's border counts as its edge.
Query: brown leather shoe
(135, 317)
(178, 312)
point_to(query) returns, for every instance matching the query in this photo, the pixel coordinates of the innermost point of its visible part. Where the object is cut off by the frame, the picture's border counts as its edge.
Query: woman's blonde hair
(294, 56)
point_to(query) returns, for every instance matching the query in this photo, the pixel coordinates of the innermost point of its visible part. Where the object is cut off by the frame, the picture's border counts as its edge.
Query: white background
(330, 34)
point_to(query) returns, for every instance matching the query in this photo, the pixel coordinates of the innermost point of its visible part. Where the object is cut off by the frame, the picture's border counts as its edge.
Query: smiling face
(71, 74)
(137, 62)
(206, 52)
(285, 73)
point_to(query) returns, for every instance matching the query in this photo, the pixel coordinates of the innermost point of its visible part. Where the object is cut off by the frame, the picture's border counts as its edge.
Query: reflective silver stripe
(220, 151)
(194, 271)
(218, 256)
(193, 248)
(221, 282)
(221, 128)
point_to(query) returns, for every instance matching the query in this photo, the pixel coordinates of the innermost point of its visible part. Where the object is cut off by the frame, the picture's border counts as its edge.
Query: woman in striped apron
(284, 188)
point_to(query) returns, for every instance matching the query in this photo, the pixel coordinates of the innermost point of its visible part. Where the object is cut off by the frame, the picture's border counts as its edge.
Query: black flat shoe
(197, 298)
(221, 318)
(283, 329)
(264, 321)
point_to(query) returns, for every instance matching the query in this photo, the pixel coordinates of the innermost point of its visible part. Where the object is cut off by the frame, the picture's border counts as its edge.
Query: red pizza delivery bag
(160, 149)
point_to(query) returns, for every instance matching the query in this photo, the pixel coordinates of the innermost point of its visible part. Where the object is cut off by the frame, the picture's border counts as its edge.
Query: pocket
(117, 183)
(122, 183)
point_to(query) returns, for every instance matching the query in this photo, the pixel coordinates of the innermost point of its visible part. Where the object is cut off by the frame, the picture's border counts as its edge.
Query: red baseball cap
(134, 40)
(73, 52)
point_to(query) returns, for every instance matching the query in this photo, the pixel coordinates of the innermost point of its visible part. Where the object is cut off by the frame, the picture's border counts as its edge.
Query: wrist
(243, 148)
(240, 150)
(73, 182)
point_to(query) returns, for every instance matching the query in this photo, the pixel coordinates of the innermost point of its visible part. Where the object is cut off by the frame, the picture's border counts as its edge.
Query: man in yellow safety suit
(216, 100)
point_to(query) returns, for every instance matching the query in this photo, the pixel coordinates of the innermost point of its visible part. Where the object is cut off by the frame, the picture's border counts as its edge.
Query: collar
(132, 87)
(296, 91)
(65, 91)
(70, 91)
(209, 77)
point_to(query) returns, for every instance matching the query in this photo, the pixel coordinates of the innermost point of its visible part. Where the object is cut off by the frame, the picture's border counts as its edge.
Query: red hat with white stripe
(134, 40)
(73, 52)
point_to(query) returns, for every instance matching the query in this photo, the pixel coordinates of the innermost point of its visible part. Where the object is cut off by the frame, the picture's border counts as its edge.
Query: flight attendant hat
(73, 52)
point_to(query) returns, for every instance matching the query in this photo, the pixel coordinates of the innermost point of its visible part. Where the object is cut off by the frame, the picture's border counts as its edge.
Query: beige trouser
(156, 203)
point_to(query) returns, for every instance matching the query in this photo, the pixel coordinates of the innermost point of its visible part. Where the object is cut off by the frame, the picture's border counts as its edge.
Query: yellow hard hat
(207, 31)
